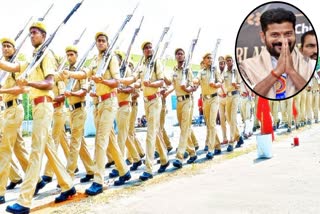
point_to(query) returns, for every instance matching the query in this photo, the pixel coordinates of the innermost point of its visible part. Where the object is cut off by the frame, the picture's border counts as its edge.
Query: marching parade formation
(114, 84)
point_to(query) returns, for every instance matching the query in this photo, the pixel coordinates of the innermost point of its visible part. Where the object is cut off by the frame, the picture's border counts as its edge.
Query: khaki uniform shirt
(45, 68)
(229, 77)
(125, 96)
(204, 78)
(255, 69)
(156, 74)
(222, 90)
(77, 85)
(9, 83)
(176, 78)
(112, 72)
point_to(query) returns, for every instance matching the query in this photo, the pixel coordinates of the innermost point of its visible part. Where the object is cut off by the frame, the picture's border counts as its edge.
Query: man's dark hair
(303, 37)
(277, 15)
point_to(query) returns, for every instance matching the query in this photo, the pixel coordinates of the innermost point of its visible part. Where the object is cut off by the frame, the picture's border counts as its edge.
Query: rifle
(165, 46)
(43, 50)
(4, 74)
(20, 32)
(46, 13)
(152, 60)
(185, 65)
(124, 62)
(106, 55)
(213, 67)
(64, 60)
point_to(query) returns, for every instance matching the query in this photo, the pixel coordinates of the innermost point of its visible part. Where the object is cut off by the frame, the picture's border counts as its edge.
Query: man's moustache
(280, 44)
(314, 56)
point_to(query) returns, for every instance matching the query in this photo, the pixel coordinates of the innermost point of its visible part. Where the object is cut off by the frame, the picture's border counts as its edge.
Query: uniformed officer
(8, 50)
(152, 104)
(232, 83)
(286, 111)
(123, 113)
(302, 112)
(163, 114)
(76, 95)
(183, 86)
(58, 131)
(222, 102)
(210, 82)
(105, 88)
(245, 109)
(40, 82)
(11, 117)
(133, 116)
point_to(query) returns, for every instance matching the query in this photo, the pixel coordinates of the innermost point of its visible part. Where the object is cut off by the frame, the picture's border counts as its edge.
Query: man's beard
(314, 56)
(272, 49)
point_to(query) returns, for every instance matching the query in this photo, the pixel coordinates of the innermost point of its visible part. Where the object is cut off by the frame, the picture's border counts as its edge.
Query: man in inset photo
(280, 70)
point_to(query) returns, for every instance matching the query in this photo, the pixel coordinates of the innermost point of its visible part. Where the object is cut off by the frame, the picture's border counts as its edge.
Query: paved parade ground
(230, 183)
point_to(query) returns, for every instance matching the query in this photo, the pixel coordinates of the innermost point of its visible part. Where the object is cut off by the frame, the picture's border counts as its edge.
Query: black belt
(209, 96)
(183, 97)
(10, 103)
(231, 93)
(77, 105)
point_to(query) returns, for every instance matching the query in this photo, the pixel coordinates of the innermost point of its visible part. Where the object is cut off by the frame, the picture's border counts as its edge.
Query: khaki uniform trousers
(1, 119)
(14, 175)
(78, 145)
(22, 155)
(286, 110)
(192, 137)
(12, 141)
(223, 120)
(153, 139)
(274, 107)
(42, 142)
(106, 112)
(315, 104)
(132, 134)
(123, 114)
(232, 108)
(210, 110)
(112, 140)
(184, 108)
(303, 102)
(245, 111)
(163, 132)
(309, 105)
(59, 136)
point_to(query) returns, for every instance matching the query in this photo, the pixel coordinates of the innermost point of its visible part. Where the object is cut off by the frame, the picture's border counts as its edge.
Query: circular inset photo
(277, 51)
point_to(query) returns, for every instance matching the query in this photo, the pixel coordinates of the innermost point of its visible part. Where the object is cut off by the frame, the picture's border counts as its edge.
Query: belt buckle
(145, 99)
(229, 93)
(180, 98)
(208, 96)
